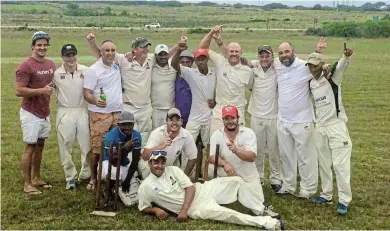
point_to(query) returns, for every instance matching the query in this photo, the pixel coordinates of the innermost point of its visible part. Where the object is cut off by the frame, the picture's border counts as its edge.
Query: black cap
(265, 48)
(68, 49)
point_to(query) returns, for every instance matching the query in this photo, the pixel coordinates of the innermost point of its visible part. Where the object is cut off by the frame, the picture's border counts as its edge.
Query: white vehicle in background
(153, 25)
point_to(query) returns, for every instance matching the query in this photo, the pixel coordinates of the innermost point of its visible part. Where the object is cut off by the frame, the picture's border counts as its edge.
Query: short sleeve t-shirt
(116, 136)
(34, 74)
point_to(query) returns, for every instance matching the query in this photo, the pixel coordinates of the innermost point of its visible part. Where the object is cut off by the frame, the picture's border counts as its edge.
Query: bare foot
(41, 183)
(31, 190)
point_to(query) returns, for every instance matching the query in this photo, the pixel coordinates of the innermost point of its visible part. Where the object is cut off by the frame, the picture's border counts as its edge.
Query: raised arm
(205, 43)
(92, 43)
(342, 65)
(218, 39)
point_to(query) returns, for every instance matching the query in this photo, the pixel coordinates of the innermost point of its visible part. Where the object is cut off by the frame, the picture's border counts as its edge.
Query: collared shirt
(163, 86)
(295, 105)
(264, 98)
(182, 143)
(69, 87)
(231, 82)
(327, 93)
(245, 141)
(116, 136)
(166, 191)
(107, 77)
(203, 89)
(136, 80)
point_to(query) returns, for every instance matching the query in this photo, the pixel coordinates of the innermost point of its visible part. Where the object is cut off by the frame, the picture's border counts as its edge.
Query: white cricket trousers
(143, 122)
(203, 128)
(72, 123)
(217, 123)
(226, 190)
(159, 117)
(253, 183)
(267, 135)
(296, 145)
(335, 147)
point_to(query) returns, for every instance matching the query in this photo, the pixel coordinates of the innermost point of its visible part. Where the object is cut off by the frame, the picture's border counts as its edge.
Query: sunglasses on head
(156, 153)
(41, 35)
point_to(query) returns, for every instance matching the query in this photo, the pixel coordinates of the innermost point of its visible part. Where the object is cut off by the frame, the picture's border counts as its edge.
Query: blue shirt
(115, 136)
(183, 98)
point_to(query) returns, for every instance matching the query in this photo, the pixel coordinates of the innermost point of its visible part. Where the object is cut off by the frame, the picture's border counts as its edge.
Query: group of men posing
(158, 139)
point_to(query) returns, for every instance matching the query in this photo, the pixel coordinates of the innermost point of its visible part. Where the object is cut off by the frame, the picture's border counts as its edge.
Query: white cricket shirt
(136, 80)
(109, 78)
(245, 140)
(163, 86)
(182, 143)
(69, 87)
(231, 81)
(325, 98)
(166, 191)
(295, 105)
(202, 89)
(264, 98)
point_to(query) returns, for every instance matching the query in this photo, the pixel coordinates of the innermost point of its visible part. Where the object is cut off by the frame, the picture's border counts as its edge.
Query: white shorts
(34, 127)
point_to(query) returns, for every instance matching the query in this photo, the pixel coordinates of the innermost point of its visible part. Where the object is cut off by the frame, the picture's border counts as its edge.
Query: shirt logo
(345, 143)
(147, 66)
(256, 75)
(156, 190)
(115, 66)
(224, 74)
(306, 128)
(172, 180)
(81, 76)
(62, 76)
(45, 72)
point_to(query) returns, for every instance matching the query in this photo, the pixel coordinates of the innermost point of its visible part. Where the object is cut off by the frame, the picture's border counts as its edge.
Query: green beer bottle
(102, 95)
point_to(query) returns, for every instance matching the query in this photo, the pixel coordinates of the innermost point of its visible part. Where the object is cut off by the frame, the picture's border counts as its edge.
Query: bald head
(234, 53)
(286, 53)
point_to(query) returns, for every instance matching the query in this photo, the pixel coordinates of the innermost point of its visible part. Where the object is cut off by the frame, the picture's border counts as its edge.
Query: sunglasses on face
(156, 153)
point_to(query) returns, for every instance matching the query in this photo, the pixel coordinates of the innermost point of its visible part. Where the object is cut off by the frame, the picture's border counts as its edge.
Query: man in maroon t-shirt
(34, 83)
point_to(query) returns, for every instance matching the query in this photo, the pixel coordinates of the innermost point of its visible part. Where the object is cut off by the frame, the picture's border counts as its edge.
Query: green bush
(198, 31)
(368, 29)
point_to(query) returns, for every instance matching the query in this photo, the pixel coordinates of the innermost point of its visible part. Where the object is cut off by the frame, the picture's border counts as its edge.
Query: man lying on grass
(170, 188)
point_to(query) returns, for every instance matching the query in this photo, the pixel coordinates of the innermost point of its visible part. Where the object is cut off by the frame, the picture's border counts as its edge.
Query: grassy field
(187, 16)
(366, 99)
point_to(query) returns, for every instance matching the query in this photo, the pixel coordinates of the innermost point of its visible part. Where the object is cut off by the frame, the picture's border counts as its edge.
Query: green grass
(366, 100)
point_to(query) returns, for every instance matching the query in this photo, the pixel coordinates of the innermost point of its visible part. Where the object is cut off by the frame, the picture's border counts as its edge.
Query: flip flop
(33, 192)
(46, 186)
(90, 186)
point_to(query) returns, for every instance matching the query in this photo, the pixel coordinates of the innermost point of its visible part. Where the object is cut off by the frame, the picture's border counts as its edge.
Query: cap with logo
(126, 117)
(315, 58)
(229, 110)
(265, 48)
(160, 48)
(40, 35)
(68, 49)
(173, 111)
(200, 52)
(140, 42)
(157, 154)
(186, 53)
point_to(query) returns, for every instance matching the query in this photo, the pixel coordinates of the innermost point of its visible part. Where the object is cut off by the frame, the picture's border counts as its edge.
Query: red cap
(229, 110)
(200, 52)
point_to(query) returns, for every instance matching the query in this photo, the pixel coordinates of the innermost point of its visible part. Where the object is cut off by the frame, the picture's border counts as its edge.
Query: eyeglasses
(158, 152)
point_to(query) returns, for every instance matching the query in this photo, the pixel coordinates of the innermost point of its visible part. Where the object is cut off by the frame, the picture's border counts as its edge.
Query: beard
(288, 62)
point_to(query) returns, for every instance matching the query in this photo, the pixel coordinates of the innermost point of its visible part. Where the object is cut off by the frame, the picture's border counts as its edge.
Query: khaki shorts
(100, 124)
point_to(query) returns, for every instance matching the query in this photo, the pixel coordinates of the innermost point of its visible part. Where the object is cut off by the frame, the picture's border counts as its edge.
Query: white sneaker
(268, 212)
(70, 185)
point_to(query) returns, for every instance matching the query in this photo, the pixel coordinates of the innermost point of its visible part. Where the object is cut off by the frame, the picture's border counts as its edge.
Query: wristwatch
(220, 44)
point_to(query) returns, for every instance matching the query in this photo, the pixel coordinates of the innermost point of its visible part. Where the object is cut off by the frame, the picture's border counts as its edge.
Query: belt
(128, 103)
